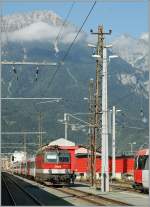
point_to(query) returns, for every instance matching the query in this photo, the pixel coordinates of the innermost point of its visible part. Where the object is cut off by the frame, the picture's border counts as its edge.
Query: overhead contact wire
(69, 48)
(69, 12)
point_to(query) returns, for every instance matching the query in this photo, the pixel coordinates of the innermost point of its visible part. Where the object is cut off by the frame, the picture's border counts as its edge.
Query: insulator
(36, 73)
(15, 70)
(94, 50)
(141, 112)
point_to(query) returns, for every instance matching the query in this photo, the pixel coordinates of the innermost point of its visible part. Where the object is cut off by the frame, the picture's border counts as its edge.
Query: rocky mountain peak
(133, 50)
(18, 21)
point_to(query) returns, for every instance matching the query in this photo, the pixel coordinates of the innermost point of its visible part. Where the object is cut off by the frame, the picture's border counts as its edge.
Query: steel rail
(9, 193)
(120, 186)
(27, 193)
(95, 199)
(124, 188)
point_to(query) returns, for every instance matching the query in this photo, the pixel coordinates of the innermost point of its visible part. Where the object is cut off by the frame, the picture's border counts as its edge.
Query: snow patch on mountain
(140, 87)
(133, 50)
(18, 21)
(146, 85)
(9, 88)
(144, 36)
(127, 79)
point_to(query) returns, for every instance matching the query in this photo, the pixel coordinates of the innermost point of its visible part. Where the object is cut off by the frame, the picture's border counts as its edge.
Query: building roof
(61, 142)
(83, 150)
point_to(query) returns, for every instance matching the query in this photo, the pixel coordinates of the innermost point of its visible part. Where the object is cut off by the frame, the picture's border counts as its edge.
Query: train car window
(136, 162)
(142, 161)
(51, 157)
(13, 158)
(32, 164)
(64, 157)
(147, 163)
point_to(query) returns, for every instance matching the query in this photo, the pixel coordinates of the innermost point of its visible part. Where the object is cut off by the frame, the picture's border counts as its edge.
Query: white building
(18, 156)
(61, 142)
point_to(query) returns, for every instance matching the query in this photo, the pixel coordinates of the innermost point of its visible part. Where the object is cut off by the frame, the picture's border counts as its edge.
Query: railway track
(93, 199)
(10, 199)
(18, 195)
(123, 187)
(90, 198)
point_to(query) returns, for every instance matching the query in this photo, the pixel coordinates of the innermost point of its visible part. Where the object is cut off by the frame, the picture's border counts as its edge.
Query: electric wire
(64, 22)
(69, 48)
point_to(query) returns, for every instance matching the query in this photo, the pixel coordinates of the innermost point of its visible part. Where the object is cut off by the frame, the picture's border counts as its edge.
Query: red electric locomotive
(52, 163)
(141, 170)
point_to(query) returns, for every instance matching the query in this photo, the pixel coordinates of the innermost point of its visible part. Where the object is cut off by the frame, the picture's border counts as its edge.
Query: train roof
(47, 148)
(142, 152)
(83, 151)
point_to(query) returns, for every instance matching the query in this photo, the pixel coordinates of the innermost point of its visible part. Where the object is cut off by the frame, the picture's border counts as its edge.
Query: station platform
(133, 198)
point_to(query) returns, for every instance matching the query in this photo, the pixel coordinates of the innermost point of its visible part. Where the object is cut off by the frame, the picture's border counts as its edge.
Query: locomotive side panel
(145, 175)
(141, 170)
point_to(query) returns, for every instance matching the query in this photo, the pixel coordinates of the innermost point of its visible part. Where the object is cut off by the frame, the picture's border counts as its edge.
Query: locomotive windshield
(51, 157)
(64, 157)
(141, 162)
(55, 157)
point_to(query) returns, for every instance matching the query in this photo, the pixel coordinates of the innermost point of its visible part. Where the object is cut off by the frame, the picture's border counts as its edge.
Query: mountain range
(33, 37)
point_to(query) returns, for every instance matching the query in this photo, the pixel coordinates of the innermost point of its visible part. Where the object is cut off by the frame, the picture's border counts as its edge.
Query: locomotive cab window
(147, 163)
(136, 162)
(64, 157)
(51, 157)
(142, 161)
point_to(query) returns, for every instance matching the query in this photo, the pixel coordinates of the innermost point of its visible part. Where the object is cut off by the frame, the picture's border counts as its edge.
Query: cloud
(144, 36)
(41, 31)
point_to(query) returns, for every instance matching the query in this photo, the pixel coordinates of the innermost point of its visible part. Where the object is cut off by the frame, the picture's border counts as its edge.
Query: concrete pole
(110, 122)
(92, 135)
(66, 125)
(105, 165)
(114, 143)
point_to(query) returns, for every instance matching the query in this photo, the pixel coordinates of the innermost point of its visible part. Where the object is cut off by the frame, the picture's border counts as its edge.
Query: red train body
(52, 164)
(55, 164)
(124, 166)
(141, 170)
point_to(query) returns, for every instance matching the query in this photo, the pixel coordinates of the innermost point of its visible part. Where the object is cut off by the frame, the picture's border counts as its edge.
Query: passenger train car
(141, 170)
(51, 163)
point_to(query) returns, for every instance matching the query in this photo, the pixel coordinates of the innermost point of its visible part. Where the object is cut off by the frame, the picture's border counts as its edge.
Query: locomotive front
(53, 165)
(141, 170)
